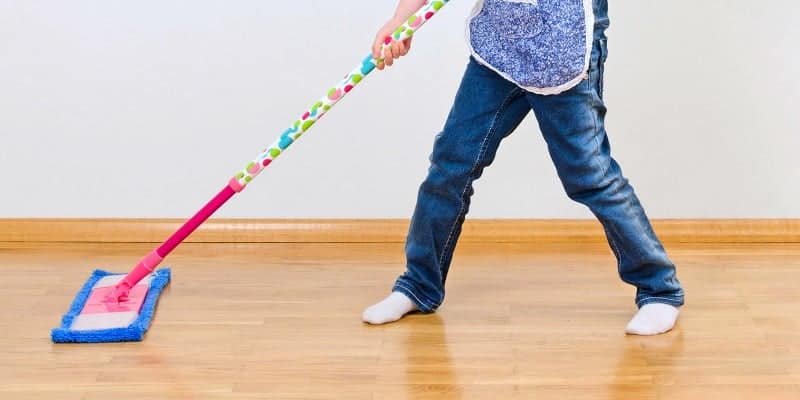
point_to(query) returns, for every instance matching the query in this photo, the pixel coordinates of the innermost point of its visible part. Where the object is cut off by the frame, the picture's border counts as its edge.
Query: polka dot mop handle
(336, 93)
(149, 263)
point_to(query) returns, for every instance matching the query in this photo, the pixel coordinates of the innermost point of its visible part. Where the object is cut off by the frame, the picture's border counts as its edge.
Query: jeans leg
(573, 127)
(487, 108)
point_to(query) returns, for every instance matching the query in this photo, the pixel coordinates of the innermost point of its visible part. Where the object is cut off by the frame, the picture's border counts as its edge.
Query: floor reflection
(645, 362)
(428, 362)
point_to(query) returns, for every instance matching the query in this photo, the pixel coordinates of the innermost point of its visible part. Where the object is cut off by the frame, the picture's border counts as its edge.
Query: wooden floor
(520, 322)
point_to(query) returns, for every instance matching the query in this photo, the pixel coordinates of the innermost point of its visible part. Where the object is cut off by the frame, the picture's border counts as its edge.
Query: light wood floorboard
(521, 321)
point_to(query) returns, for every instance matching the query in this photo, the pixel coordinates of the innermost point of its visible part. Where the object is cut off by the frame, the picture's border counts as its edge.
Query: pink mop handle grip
(236, 184)
(149, 263)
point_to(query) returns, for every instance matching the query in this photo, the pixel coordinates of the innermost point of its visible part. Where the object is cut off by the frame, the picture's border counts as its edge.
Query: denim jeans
(488, 108)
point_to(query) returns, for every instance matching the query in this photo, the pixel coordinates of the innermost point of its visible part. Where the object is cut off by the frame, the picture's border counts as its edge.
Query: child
(546, 56)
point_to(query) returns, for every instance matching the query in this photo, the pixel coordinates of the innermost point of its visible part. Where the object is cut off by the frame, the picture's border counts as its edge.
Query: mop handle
(238, 182)
(336, 93)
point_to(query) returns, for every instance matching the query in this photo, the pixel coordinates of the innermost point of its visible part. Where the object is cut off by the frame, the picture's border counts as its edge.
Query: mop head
(91, 320)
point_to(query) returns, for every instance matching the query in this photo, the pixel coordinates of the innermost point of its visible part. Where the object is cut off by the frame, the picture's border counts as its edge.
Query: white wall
(145, 108)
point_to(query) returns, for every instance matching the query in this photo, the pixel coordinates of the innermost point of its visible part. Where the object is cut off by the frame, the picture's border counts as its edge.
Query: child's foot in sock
(653, 319)
(390, 309)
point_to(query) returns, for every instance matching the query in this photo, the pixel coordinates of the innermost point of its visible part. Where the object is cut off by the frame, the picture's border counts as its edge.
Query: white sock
(390, 309)
(652, 319)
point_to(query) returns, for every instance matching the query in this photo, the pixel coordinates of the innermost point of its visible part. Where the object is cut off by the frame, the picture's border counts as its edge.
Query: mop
(118, 307)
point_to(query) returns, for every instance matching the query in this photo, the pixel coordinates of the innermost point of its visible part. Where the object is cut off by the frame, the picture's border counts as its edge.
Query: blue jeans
(488, 108)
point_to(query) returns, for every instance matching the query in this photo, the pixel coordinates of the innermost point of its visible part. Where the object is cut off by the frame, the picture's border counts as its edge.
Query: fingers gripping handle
(405, 31)
(336, 93)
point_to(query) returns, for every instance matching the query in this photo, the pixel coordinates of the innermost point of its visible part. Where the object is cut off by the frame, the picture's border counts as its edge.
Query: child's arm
(405, 8)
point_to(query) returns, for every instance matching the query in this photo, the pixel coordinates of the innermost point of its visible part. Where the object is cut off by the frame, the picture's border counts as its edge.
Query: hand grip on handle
(402, 32)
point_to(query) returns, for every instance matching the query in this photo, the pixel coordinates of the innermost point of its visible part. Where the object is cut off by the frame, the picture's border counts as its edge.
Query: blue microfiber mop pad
(132, 333)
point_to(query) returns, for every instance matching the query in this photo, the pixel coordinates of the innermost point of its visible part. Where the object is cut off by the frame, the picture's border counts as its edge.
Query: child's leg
(573, 126)
(486, 109)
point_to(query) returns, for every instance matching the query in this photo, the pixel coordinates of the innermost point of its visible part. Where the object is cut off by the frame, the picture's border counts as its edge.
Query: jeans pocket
(515, 19)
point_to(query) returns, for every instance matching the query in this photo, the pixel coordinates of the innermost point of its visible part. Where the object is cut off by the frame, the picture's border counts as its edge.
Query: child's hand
(396, 50)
